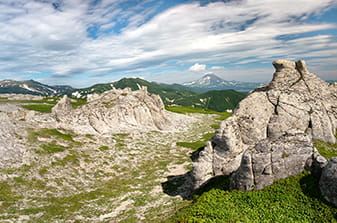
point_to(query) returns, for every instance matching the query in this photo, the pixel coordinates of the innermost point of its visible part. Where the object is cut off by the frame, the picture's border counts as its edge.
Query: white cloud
(217, 68)
(34, 36)
(197, 67)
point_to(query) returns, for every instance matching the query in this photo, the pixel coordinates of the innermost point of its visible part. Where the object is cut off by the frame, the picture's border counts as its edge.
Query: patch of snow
(25, 86)
(50, 89)
(76, 94)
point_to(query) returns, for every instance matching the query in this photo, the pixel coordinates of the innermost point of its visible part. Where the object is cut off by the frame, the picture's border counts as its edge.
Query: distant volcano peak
(211, 81)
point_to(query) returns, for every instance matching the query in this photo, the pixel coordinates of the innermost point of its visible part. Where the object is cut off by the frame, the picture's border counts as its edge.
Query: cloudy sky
(83, 42)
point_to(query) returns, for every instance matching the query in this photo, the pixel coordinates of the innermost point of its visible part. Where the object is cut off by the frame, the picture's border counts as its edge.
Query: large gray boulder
(272, 159)
(328, 181)
(282, 116)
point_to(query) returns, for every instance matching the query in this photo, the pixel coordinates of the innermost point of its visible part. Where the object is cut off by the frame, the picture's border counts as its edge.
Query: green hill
(167, 94)
(214, 100)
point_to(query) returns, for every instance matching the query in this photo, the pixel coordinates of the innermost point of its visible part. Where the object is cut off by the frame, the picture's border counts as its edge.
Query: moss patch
(44, 108)
(295, 199)
(328, 150)
(53, 147)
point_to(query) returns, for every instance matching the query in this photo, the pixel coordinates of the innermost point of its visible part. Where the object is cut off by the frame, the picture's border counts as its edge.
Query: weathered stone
(316, 163)
(272, 159)
(295, 104)
(62, 108)
(247, 125)
(327, 183)
(11, 150)
(117, 110)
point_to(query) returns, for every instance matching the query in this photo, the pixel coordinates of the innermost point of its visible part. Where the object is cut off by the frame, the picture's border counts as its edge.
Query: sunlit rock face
(269, 136)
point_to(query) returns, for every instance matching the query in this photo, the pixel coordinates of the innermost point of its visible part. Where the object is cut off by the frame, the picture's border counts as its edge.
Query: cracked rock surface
(117, 110)
(269, 136)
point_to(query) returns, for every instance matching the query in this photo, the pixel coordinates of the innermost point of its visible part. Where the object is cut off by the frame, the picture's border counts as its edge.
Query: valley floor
(88, 178)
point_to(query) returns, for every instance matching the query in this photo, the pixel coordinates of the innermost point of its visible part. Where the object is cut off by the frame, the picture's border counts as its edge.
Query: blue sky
(83, 42)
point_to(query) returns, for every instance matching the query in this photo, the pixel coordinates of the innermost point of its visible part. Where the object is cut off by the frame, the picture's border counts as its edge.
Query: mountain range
(32, 87)
(212, 82)
(200, 94)
(170, 94)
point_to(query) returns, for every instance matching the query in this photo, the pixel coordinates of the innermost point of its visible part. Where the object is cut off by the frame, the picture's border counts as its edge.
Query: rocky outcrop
(327, 183)
(114, 111)
(11, 149)
(268, 137)
(272, 159)
(62, 108)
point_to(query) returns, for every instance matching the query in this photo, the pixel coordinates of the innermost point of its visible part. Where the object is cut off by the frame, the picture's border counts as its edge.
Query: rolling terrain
(214, 100)
(171, 94)
(64, 176)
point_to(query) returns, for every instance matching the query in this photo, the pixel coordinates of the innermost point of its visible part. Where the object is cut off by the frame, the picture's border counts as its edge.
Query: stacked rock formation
(269, 136)
(117, 110)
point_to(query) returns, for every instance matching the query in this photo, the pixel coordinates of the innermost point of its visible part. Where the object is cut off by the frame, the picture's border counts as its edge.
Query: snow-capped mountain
(31, 87)
(212, 82)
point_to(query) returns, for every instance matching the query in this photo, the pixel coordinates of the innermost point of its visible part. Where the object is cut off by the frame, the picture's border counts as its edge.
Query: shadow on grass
(310, 187)
(183, 185)
(179, 185)
(217, 182)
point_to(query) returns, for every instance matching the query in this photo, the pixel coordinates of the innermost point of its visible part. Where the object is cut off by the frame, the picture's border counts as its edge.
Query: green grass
(295, 199)
(71, 158)
(120, 139)
(197, 144)
(104, 148)
(7, 197)
(45, 105)
(192, 145)
(218, 100)
(326, 149)
(78, 102)
(184, 110)
(53, 147)
(44, 108)
(45, 100)
(63, 207)
(67, 135)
